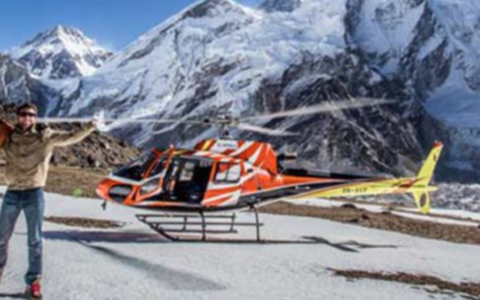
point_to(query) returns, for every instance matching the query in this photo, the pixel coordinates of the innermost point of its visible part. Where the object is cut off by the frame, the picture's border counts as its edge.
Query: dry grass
(384, 221)
(66, 180)
(84, 222)
(69, 180)
(467, 289)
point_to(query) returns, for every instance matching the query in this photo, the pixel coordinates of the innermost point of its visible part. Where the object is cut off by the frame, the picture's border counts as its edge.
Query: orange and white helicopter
(187, 188)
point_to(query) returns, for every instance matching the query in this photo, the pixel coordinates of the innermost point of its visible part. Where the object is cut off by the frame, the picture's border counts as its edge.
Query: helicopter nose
(101, 190)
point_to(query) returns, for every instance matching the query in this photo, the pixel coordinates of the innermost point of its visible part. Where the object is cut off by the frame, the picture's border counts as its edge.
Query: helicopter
(200, 190)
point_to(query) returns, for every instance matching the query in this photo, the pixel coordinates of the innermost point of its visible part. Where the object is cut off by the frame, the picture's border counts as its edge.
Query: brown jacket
(27, 154)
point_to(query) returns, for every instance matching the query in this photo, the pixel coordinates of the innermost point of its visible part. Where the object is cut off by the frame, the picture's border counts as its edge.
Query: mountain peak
(195, 27)
(57, 32)
(61, 52)
(62, 29)
(66, 30)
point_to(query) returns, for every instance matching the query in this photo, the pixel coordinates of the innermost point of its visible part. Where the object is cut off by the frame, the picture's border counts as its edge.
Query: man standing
(28, 150)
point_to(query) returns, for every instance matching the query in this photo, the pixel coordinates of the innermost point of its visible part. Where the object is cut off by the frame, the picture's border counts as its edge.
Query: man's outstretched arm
(60, 138)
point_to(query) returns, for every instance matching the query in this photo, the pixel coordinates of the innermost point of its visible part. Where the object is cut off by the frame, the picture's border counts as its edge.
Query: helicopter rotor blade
(321, 108)
(263, 130)
(240, 123)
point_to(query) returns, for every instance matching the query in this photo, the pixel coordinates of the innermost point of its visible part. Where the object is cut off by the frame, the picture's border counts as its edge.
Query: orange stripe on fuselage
(215, 193)
(219, 201)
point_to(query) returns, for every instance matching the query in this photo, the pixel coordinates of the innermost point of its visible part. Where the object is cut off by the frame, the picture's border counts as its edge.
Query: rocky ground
(99, 150)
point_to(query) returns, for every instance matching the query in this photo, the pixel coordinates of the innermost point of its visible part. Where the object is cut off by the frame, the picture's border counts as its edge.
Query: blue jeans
(32, 203)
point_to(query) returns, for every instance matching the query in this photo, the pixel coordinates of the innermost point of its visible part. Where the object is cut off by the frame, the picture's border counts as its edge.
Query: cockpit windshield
(159, 167)
(137, 168)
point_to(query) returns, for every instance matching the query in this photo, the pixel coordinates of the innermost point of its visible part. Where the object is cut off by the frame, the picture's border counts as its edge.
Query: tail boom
(418, 186)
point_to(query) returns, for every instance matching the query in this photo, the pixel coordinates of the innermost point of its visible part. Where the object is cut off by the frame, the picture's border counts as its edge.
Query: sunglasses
(26, 114)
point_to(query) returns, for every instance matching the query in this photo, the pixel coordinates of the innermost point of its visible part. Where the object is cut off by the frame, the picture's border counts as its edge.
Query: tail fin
(426, 172)
(421, 187)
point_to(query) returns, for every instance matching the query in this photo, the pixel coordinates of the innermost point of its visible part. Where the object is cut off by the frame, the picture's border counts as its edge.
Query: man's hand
(95, 123)
(100, 124)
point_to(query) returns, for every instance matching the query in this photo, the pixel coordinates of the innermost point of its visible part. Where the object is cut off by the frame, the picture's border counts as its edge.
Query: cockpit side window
(187, 180)
(234, 173)
(228, 172)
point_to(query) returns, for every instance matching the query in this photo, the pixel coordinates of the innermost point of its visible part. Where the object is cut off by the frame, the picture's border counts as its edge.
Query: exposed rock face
(280, 5)
(17, 85)
(96, 151)
(431, 47)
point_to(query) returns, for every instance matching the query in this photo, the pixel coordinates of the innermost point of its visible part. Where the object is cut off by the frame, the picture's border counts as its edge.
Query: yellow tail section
(421, 188)
(418, 186)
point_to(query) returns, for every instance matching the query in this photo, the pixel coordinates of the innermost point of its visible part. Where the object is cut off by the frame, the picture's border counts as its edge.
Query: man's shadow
(14, 295)
(104, 236)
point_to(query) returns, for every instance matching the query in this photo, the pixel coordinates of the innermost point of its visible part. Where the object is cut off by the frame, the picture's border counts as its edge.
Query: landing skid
(174, 226)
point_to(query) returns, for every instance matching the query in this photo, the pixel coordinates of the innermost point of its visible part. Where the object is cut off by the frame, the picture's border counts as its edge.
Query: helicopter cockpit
(154, 176)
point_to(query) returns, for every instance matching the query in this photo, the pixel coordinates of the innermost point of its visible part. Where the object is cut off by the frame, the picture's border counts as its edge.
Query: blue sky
(112, 23)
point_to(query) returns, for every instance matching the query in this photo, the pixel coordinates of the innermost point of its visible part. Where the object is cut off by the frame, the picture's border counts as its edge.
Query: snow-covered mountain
(59, 53)
(219, 56)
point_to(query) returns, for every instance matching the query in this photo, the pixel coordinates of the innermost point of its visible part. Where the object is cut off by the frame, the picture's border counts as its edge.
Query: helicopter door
(187, 180)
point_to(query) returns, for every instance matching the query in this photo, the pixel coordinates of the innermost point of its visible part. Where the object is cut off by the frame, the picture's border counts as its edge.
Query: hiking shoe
(34, 290)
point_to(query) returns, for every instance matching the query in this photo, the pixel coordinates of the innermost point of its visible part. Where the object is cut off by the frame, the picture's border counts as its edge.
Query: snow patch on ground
(116, 264)
(442, 216)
